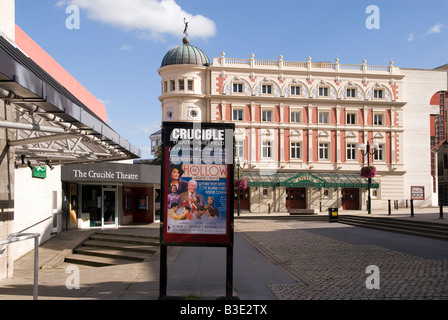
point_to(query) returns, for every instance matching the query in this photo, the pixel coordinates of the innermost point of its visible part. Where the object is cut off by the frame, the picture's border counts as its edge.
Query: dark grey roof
(157, 133)
(444, 67)
(186, 54)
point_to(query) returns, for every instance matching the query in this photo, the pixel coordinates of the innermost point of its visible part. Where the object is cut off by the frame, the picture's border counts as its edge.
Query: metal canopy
(51, 126)
(307, 179)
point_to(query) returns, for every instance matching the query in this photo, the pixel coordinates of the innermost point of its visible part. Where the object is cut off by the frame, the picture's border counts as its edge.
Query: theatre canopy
(50, 125)
(307, 180)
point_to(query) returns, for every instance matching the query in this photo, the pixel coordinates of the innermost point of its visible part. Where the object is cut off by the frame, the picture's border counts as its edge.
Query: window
(323, 151)
(237, 88)
(173, 85)
(165, 86)
(266, 150)
(295, 116)
(237, 114)
(266, 115)
(239, 149)
(351, 151)
(266, 89)
(265, 192)
(295, 90)
(190, 85)
(351, 93)
(379, 153)
(323, 117)
(378, 93)
(323, 91)
(378, 119)
(296, 150)
(193, 114)
(181, 85)
(351, 118)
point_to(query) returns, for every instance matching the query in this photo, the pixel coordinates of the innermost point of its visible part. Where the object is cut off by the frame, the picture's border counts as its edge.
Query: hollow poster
(197, 183)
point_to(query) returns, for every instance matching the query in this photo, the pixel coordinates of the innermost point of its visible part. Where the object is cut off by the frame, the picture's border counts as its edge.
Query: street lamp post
(239, 167)
(368, 150)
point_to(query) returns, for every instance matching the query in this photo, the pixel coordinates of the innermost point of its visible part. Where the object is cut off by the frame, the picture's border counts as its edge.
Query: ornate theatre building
(303, 129)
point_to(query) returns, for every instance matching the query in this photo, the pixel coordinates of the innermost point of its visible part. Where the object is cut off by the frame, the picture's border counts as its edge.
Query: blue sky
(120, 44)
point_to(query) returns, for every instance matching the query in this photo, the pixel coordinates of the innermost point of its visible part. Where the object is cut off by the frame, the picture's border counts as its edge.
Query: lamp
(239, 166)
(49, 165)
(368, 150)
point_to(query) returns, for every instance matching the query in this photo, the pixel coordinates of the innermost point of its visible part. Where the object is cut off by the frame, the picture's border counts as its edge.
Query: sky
(115, 47)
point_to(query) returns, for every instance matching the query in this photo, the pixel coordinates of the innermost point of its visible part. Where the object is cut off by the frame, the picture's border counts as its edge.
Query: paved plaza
(330, 261)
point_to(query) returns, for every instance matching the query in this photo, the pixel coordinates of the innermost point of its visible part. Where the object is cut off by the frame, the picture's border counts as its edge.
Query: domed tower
(184, 86)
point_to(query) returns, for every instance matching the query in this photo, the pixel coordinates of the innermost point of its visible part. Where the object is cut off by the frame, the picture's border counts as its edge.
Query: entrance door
(244, 196)
(110, 218)
(350, 199)
(295, 198)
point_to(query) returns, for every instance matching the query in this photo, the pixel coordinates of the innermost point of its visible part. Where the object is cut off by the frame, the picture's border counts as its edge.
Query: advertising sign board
(197, 183)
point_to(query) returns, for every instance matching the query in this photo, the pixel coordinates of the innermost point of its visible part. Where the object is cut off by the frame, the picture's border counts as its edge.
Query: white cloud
(146, 128)
(125, 48)
(153, 18)
(411, 36)
(437, 28)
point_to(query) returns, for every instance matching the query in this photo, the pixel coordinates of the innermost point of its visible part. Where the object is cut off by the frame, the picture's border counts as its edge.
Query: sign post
(197, 191)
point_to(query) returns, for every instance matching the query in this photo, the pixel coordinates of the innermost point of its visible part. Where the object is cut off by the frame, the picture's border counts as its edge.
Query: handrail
(16, 237)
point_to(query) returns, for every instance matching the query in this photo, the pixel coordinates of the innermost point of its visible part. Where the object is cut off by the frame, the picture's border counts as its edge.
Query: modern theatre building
(61, 165)
(303, 128)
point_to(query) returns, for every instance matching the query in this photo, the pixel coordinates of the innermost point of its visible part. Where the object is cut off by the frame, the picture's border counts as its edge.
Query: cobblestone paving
(334, 270)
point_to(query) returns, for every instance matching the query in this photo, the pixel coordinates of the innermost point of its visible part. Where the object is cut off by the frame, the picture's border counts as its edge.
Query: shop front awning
(48, 124)
(307, 180)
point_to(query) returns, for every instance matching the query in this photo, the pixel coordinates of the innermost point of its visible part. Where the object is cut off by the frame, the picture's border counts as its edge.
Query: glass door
(110, 218)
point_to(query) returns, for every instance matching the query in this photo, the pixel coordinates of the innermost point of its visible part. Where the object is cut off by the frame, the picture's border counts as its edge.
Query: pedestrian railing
(16, 237)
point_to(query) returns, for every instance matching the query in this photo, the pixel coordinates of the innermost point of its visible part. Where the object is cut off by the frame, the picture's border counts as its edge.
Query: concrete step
(108, 249)
(111, 253)
(127, 235)
(417, 228)
(145, 249)
(285, 217)
(438, 228)
(125, 238)
(95, 261)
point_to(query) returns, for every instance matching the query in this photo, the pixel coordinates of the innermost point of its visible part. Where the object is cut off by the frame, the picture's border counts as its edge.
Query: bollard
(412, 208)
(441, 210)
(389, 207)
(269, 208)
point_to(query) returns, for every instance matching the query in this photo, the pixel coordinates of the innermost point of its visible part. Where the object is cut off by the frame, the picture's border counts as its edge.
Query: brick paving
(328, 269)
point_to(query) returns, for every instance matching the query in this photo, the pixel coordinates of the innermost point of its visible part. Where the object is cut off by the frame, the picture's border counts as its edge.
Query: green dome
(185, 54)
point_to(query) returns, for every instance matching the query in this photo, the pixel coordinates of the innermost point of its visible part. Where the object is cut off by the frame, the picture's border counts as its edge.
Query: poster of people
(198, 180)
(197, 199)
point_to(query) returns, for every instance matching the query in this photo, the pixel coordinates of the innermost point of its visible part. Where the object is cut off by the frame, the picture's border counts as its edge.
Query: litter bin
(333, 214)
